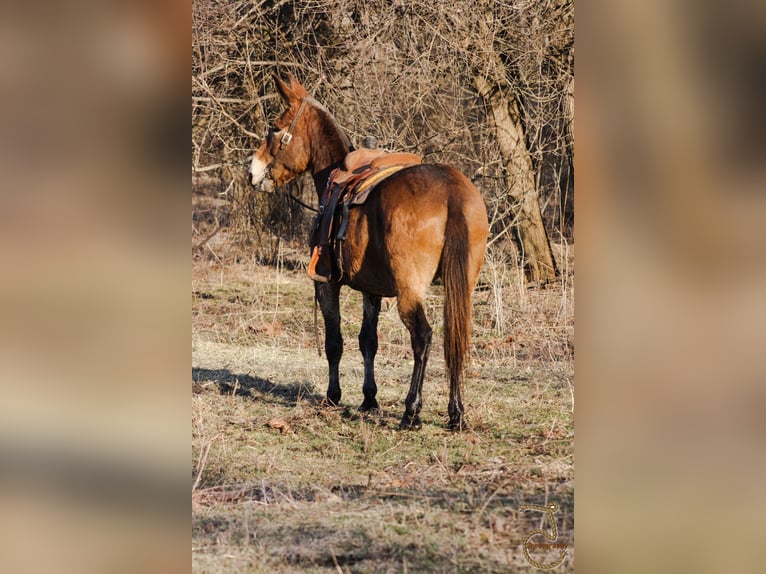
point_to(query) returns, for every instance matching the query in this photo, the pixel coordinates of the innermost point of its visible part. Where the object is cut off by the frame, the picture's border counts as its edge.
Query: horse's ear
(285, 91)
(299, 90)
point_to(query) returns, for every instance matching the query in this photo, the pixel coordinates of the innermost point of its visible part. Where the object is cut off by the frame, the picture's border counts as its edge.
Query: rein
(303, 205)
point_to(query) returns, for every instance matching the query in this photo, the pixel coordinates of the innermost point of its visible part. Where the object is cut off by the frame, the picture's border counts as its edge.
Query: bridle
(284, 141)
(287, 136)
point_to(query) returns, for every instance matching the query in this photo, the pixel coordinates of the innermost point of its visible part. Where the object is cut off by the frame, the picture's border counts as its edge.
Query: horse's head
(284, 154)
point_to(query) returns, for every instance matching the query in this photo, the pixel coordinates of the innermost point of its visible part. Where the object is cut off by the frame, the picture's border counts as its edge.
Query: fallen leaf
(282, 426)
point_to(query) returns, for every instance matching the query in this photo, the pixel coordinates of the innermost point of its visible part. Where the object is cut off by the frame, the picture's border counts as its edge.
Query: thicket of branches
(405, 71)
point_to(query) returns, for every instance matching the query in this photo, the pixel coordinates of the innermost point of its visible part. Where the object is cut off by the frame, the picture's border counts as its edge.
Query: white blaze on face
(257, 170)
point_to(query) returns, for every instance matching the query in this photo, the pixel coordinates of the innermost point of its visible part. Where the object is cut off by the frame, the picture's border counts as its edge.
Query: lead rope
(316, 327)
(303, 205)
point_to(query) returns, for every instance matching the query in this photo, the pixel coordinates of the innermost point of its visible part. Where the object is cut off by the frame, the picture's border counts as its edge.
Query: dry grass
(283, 484)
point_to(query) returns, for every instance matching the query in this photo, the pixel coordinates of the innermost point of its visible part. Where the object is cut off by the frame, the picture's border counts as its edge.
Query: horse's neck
(329, 148)
(321, 177)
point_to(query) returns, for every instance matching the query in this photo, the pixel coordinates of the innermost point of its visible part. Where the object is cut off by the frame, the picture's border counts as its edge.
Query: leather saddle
(349, 184)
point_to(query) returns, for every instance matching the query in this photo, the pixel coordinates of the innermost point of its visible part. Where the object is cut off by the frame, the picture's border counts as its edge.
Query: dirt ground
(283, 484)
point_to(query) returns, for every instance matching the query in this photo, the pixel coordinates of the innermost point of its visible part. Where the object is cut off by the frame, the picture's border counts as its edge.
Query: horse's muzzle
(257, 171)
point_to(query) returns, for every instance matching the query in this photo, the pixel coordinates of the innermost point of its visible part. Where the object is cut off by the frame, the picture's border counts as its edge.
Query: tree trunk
(539, 265)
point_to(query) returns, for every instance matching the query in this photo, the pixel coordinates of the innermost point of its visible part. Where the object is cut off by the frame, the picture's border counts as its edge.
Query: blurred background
(94, 329)
(670, 306)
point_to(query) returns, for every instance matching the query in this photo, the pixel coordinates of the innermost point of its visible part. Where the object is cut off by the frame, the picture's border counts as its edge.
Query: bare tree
(536, 250)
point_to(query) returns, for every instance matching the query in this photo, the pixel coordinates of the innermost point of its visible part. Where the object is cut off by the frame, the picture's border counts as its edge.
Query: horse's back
(396, 238)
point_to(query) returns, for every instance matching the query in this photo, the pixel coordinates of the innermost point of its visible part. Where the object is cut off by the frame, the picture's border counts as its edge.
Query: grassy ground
(283, 484)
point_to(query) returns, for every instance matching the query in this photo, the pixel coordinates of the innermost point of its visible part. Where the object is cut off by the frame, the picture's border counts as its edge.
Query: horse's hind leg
(414, 317)
(328, 295)
(368, 344)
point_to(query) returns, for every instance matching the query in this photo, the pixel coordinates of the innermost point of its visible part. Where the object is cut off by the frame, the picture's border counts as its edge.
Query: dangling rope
(316, 327)
(304, 205)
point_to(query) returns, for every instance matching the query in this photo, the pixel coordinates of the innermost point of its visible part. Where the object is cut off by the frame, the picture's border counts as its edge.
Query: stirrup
(312, 270)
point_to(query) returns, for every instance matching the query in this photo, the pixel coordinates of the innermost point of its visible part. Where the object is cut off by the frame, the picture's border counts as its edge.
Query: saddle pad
(364, 189)
(362, 160)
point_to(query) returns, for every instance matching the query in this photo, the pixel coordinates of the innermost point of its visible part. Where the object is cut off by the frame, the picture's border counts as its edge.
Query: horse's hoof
(369, 405)
(410, 423)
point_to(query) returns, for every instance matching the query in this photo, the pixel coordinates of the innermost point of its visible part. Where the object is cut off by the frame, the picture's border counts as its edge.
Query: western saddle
(349, 184)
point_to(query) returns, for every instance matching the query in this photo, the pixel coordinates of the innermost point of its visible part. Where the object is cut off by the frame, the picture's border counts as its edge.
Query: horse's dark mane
(332, 121)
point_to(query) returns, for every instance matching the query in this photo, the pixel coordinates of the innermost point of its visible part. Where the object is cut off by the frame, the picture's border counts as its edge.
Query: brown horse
(424, 221)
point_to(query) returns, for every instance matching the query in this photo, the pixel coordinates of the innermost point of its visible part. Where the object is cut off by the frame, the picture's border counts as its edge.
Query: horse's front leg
(328, 295)
(368, 344)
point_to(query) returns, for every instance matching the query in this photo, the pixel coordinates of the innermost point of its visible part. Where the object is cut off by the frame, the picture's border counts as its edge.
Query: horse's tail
(457, 298)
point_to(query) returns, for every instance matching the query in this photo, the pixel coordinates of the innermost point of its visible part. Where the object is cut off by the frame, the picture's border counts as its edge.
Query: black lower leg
(420, 334)
(455, 406)
(456, 418)
(328, 295)
(368, 344)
